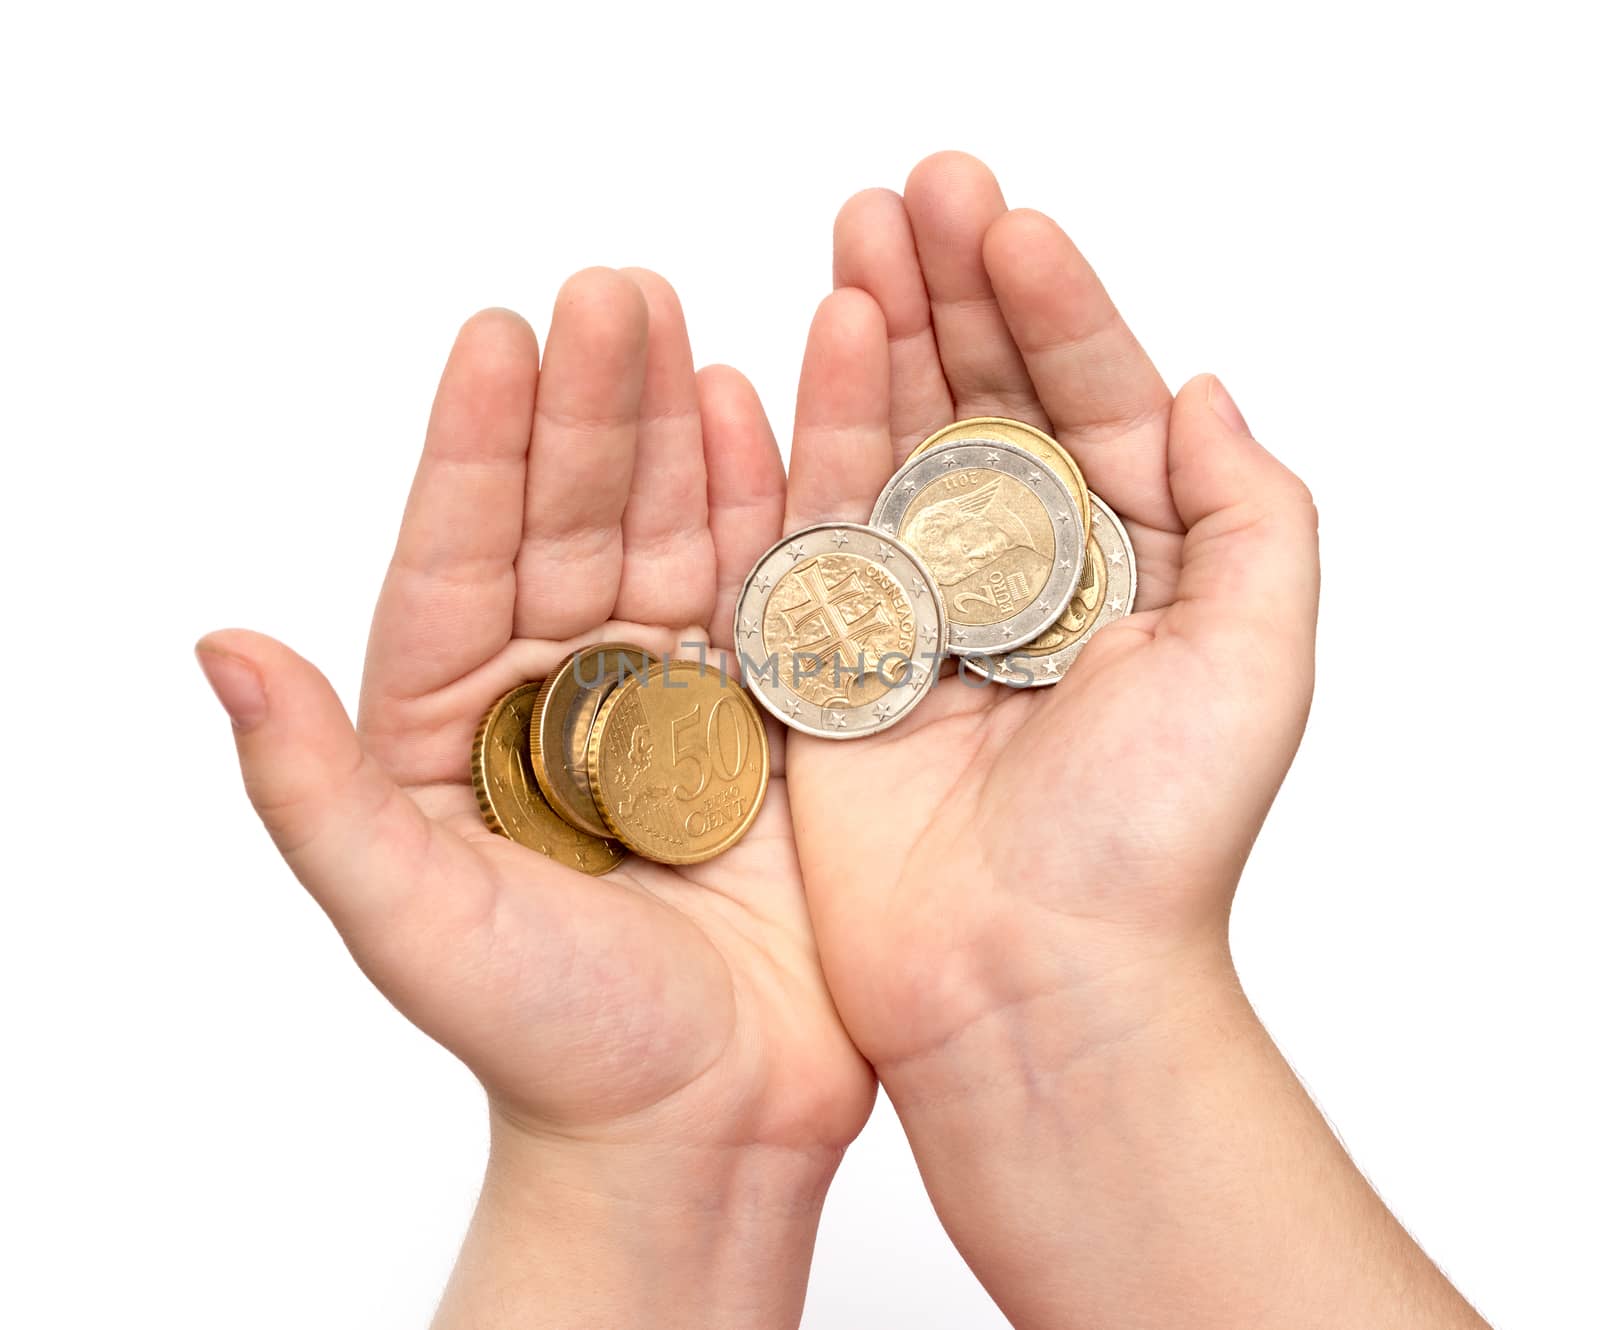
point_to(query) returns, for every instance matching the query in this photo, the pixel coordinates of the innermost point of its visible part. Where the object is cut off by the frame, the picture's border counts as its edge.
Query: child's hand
(669, 1080)
(1022, 896)
(1068, 849)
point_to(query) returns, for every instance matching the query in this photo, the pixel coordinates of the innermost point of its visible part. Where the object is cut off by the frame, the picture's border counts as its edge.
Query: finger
(744, 485)
(952, 200)
(1104, 398)
(874, 251)
(842, 454)
(668, 568)
(447, 600)
(1247, 591)
(359, 844)
(580, 463)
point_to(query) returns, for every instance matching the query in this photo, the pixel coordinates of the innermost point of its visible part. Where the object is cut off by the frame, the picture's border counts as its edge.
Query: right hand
(608, 494)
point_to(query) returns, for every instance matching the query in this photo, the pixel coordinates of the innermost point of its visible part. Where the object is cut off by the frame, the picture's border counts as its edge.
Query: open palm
(1106, 817)
(607, 494)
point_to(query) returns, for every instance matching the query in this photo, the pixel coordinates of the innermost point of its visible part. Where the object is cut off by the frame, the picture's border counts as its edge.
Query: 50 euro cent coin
(678, 762)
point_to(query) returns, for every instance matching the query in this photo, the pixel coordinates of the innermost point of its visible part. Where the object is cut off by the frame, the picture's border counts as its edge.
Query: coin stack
(620, 750)
(986, 546)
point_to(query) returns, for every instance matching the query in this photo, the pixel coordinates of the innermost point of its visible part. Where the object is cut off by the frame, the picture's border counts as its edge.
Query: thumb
(353, 837)
(1247, 589)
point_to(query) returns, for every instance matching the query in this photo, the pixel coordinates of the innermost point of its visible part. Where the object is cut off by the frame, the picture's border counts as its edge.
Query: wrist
(1068, 1021)
(1056, 1141)
(1042, 1128)
(574, 1232)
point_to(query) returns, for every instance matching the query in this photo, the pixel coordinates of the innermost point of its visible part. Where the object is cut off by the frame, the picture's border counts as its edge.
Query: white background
(236, 244)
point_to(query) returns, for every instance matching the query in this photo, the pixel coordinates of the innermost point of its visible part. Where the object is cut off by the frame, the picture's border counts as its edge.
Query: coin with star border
(1024, 436)
(1046, 659)
(999, 530)
(840, 630)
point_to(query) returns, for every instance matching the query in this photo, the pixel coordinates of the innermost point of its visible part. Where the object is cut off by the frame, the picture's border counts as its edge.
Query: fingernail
(1224, 406)
(237, 686)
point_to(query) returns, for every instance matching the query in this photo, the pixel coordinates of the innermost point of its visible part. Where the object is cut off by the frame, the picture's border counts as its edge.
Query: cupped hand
(609, 493)
(1078, 842)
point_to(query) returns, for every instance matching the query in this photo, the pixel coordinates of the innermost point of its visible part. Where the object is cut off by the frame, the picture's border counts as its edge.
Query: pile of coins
(985, 546)
(619, 750)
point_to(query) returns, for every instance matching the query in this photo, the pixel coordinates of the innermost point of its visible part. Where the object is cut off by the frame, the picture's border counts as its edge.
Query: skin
(669, 1084)
(1021, 896)
(1017, 900)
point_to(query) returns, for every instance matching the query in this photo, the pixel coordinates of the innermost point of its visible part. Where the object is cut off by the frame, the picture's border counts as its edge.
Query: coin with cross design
(1001, 535)
(840, 629)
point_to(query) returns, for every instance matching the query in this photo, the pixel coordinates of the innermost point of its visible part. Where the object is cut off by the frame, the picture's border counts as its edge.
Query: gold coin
(509, 798)
(1026, 437)
(678, 762)
(563, 717)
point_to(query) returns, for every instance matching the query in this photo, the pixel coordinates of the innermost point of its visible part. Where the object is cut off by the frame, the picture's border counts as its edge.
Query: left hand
(1003, 848)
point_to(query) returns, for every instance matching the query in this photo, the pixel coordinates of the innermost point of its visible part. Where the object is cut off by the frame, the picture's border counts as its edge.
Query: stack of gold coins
(986, 546)
(618, 751)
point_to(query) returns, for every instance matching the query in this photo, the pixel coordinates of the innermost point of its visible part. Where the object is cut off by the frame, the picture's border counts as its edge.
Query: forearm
(569, 1236)
(1162, 1169)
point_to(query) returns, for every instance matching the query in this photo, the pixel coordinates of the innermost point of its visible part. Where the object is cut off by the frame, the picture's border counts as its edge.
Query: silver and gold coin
(1110, 583)
(840, 630)
(1027, 437)
(999, 530)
